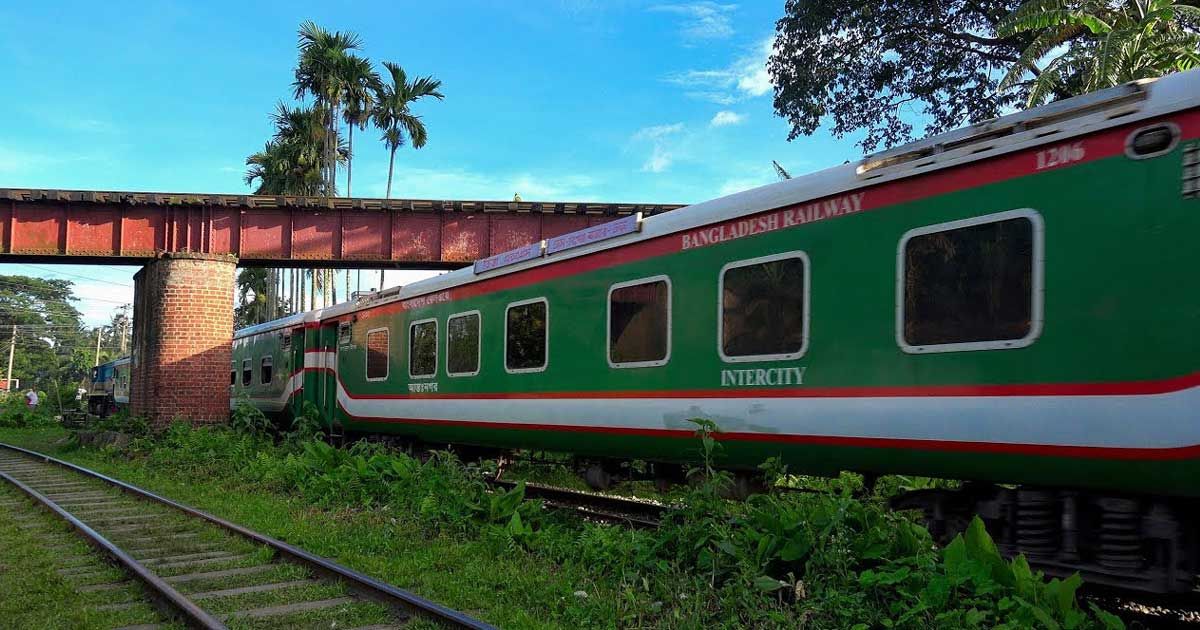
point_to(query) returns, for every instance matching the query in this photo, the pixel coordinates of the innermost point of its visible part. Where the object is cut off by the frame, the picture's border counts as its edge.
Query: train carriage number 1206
(1060, 155)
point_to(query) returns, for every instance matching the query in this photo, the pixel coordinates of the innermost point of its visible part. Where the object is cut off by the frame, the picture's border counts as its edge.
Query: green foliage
(123, 422)
(52, 346)
(306, 425)
(816, 559)
(15, 414)
(1086, 45)
(899, 69)
(249, 420)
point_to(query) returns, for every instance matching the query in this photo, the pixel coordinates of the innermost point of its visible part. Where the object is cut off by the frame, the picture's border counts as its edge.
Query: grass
(516, 591)
(824, 559)
(34, 547)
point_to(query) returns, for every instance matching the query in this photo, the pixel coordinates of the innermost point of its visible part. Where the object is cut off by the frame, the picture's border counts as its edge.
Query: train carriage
(108, 387)
(1013, 302)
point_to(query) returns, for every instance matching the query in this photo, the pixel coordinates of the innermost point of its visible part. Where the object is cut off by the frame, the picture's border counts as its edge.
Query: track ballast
(203, 570)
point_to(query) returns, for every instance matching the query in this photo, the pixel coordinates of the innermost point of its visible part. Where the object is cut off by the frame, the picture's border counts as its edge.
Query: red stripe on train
(1001, 448)
(1124, 388)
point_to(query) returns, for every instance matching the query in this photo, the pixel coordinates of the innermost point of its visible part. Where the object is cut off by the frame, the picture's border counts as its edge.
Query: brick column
(182, 331)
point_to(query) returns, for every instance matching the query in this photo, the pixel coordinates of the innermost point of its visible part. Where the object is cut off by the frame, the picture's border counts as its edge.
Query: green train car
(1015, 302)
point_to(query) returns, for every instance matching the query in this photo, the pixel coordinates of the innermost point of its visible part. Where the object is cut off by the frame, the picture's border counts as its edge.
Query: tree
(252, 305)
(116, 336)
(290, 163)
(885, 66)
(52, 345)
(1117, 43)
(362, 84)
(321, 72)
(393, 116)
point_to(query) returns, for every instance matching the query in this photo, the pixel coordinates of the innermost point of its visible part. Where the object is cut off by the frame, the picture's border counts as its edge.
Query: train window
(285, 340)
(378, 347)
(264, 370)
(462, 344)
(525, 338)
(232, 377)
(422, 348)
(764, 308)
(343, 334)
(246, 372)
(639, 322)
(974, 284)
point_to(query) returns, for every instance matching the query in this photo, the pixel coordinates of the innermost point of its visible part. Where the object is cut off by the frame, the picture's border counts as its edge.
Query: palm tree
(290, 162)
(393, 116)
(1110, 43)
(253, 288)
(320, 72)
(362, 84)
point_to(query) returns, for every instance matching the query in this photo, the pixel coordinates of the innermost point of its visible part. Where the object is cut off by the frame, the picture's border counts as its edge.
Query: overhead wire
(76, 275)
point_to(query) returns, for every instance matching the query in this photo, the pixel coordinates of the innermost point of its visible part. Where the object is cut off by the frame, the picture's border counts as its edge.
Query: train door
(294, 349)
(330, 337)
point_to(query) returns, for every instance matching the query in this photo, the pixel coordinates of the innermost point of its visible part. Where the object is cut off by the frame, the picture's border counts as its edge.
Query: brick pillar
(182, 331)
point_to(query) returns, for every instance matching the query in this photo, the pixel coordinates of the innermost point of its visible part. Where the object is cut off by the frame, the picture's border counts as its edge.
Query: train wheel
(597, 477)
(743, 485)
(667, 475)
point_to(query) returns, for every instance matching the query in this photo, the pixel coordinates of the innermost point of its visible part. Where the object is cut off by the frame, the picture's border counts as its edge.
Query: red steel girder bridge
(283, 231)
(189, 245)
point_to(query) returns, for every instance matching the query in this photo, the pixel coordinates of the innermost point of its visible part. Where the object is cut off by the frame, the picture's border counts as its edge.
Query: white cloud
(428, 183)
(657, 136)
(738, 185)
(725, 118)
(746, 77)
(702, 20)
(660, 159)
(657, 131)
(15, 162)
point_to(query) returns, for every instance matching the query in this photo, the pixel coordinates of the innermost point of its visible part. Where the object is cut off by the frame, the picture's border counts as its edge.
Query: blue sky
(590, 100)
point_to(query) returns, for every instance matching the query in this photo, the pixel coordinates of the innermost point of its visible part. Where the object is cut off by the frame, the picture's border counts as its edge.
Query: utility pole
(12, 349)
(124, 330)
(99, 329)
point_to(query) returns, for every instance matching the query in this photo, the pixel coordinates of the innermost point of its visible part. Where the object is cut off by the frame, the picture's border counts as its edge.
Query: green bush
(15, 414)
(823, 560)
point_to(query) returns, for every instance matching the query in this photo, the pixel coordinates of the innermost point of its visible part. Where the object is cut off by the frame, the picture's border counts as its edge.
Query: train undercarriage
(1148, 544)
(1128, 542)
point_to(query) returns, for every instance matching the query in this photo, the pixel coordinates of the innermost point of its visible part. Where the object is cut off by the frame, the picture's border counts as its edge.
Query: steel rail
(175, 603)
(602, 506)
(368, 586)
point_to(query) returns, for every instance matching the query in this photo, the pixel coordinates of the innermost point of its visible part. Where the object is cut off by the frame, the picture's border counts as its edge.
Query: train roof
(117, 361)
(1041, 125)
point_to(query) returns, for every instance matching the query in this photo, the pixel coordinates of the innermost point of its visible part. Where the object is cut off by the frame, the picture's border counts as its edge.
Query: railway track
(601, 507)
(171, 563)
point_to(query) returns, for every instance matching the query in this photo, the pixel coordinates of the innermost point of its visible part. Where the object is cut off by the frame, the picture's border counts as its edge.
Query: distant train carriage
(108, 390)
(1013, 302)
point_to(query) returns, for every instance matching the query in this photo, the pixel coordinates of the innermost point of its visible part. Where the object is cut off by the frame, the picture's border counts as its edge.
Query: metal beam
(283, 231)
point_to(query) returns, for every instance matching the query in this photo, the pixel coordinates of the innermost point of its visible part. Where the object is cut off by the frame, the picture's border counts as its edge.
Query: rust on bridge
(284, 230)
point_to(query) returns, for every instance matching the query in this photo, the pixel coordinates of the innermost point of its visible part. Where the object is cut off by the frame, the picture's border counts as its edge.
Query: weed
(821, 559)
(15, 414)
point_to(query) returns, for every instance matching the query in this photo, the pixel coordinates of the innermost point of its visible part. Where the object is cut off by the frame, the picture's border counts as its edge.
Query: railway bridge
(190, 245)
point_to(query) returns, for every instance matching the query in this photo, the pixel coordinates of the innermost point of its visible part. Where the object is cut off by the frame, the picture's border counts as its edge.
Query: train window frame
(411, 326)
(263, 365)
(247, 373)
(478, 343)
(1037, 283)
(387, 364)
(608, 323)
(345, 335)
(546, 361)
(800, 255)
(232, 376)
